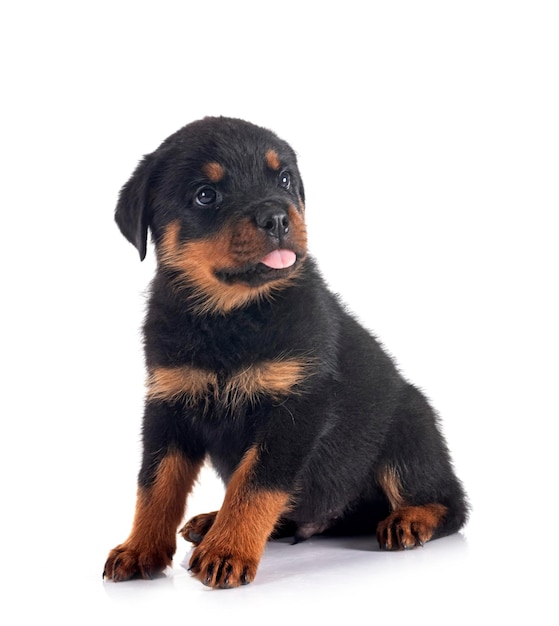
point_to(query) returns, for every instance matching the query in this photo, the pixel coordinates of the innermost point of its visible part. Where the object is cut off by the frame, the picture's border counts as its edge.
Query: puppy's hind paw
(196, 528)
(410, 526)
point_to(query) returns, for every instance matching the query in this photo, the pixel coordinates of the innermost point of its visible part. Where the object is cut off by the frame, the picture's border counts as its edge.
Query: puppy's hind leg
(425, 496)
(412, 522)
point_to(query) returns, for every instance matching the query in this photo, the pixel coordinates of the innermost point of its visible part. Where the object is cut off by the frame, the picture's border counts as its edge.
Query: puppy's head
(224, 202)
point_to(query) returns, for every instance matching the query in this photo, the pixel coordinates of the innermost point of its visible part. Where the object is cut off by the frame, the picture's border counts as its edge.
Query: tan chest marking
(273, 379)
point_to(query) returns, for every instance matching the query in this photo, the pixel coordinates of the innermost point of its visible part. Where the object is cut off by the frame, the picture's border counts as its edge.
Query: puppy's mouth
(275, 265)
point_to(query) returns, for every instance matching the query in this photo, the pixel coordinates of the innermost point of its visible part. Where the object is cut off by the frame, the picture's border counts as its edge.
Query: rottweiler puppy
(255, 365)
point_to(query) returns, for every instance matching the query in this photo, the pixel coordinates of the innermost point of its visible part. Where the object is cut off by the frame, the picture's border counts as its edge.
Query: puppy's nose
(273, 220)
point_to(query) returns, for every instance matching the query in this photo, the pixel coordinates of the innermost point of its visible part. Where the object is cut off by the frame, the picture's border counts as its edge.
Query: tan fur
(241, 528)
(198, 262)
(214, 171)
(410, 526)
(390, 483)
(272, 160)
(274, 378)
(159, 511)
(170, 383)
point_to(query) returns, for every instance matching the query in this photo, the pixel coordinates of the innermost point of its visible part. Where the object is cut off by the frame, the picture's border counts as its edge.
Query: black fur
(329, 440)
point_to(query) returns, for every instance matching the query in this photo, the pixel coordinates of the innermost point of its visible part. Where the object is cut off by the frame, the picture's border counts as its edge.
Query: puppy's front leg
(171, 463)
(229, 554)
(159, 510)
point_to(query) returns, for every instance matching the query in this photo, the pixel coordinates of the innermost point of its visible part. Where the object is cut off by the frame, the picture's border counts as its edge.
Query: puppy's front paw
(221, 566)
(130, 560)
(196, 528)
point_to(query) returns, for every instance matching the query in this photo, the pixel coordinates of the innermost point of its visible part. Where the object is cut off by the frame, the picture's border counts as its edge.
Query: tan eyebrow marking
(214, 171)
(272, 160)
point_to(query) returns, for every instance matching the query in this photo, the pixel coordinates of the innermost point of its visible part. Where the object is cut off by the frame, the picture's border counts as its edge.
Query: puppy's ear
(133, 210)
(301, 190)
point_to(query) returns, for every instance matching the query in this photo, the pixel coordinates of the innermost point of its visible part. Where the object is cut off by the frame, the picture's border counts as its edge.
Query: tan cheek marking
(214, 171)
(197, 261)
(298, 229)
(195, 257)
(272, 160)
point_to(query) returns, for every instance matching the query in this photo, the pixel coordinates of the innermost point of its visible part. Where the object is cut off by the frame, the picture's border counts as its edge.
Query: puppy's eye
(284, 179)
(206, 196)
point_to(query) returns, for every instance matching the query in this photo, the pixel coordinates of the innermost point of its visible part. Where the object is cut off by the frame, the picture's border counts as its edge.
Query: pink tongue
(279, 259)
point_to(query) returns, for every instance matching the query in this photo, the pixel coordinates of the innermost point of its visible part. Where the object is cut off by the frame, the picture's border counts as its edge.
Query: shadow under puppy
(255, 365)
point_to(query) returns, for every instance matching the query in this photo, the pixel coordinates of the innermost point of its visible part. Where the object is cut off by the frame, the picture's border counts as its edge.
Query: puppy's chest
(223, 362)
(230, 390)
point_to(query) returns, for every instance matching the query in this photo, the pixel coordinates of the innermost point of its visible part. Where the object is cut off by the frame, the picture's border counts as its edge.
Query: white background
(428, 135)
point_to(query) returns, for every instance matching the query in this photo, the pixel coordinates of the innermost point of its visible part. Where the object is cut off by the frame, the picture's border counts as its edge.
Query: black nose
(274, 220)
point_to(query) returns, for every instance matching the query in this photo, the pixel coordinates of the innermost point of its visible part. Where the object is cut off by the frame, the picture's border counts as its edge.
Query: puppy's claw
(193, 565)
(418, 541)
(228, 572)
(209, 575)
